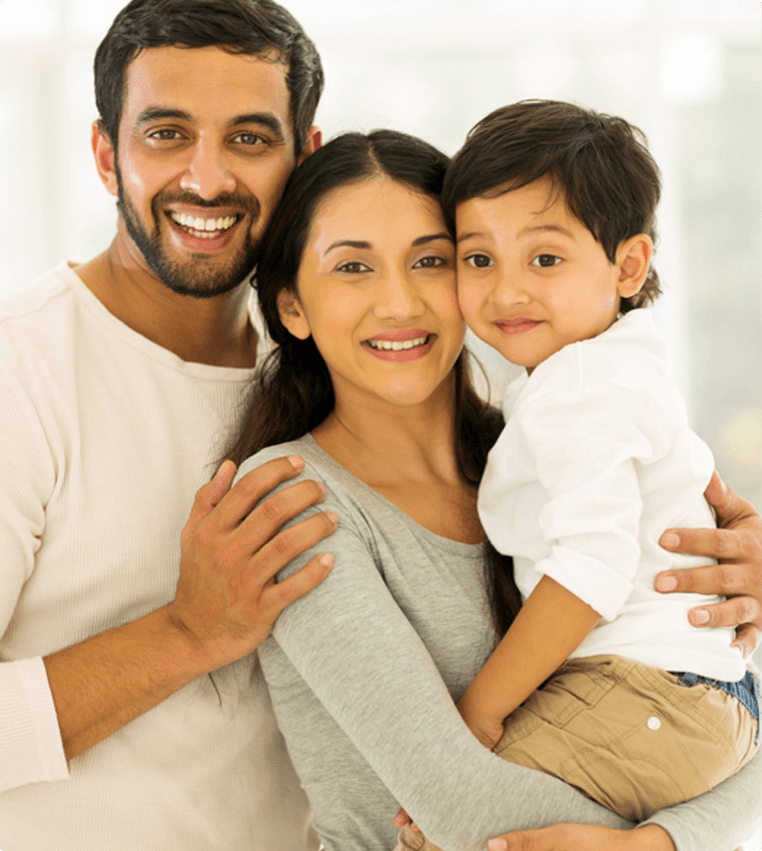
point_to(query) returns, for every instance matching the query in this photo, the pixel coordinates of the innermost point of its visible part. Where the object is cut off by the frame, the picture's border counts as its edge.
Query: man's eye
(250, 139)
(479, 261)
(165, 133)
(545, 260)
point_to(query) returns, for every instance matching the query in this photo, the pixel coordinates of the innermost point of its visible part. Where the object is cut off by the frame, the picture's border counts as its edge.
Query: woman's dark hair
(598, 163)
(293, 393)
(251, 27)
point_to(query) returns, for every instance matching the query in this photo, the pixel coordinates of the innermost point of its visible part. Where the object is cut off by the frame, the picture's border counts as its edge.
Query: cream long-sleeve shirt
(105, 438)
(596, 460)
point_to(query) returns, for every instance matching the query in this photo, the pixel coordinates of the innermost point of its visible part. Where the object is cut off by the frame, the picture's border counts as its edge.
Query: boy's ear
(292, 315)
(633, 261)
(105, 157)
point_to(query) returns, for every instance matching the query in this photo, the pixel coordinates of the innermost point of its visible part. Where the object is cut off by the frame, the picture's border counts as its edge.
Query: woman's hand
(737, 545)
(573, 837)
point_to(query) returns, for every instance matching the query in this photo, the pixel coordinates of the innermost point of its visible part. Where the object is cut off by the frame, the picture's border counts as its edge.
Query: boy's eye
(479, 261)
(545, 260)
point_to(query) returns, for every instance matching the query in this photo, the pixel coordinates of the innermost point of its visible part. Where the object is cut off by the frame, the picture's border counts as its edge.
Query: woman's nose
(398, 297)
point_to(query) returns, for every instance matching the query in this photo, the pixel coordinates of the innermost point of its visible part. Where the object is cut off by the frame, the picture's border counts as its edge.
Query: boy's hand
(737, 545)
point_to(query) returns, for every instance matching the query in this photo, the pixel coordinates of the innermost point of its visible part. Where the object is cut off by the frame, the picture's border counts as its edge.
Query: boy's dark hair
(251, 27)
(599, 163)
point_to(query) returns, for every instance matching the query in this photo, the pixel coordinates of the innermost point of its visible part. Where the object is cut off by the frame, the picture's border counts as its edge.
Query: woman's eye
(353, 267)
(431, 261)
(545, 260)
(479, 261)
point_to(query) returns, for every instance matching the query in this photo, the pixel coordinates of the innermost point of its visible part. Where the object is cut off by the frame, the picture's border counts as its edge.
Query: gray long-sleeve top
(363, 674)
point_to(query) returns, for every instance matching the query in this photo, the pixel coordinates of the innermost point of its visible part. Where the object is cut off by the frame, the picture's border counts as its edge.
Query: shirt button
(653, 723)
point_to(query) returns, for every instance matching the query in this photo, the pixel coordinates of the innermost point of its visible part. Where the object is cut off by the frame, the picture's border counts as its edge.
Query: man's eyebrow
(265, 119)
(155, 113)
(161, 113)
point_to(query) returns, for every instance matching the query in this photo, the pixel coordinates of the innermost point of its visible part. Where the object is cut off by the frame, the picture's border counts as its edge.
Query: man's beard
(201, 276)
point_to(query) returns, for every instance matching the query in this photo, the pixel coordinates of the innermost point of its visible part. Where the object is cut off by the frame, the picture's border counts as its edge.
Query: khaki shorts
(627, 735)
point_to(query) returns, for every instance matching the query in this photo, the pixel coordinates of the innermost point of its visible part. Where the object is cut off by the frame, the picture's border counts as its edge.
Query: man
(130, 715)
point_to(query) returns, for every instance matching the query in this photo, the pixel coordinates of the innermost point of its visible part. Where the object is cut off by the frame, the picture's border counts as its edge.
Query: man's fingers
(727, 579)
(208, 496)
(255, 485)
(747, 638)
(289, 543)
(728, 545)
(300, 583)
(730, 508)
(737, 610)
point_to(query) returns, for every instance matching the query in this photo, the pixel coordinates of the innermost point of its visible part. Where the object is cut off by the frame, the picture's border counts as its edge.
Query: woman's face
(376, 290)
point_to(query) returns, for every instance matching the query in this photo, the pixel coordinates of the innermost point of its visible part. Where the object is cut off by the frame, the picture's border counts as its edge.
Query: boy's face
(531, 277)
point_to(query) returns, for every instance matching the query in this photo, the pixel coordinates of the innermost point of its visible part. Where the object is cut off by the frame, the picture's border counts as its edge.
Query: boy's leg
(629, 735)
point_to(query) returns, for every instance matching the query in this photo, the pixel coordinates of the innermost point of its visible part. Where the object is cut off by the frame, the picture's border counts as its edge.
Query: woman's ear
(292, 315)
(634, 260)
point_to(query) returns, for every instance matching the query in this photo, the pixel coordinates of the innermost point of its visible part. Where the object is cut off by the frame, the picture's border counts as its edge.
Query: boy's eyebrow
(159, 113)
(462, 237)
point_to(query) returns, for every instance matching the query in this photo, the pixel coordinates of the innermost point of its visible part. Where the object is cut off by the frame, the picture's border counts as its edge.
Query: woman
(357, 285)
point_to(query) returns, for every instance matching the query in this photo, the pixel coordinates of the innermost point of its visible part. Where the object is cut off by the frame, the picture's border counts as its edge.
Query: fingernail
(700, 617)
(665, 583)
(497, 845)
(669, 540)
(333, 517)
(296, 462)
(326, 559)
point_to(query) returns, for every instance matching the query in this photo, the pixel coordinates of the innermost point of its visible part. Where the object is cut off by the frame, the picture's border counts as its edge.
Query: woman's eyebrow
(423, 240)
(349, 243)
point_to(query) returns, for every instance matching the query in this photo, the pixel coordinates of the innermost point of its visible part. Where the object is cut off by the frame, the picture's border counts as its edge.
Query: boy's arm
(551, 624)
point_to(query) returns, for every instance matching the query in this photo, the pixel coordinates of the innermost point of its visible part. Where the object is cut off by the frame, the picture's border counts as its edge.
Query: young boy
(600, 681)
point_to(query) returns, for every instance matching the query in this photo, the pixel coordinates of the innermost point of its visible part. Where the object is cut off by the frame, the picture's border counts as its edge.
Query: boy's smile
(531, 276)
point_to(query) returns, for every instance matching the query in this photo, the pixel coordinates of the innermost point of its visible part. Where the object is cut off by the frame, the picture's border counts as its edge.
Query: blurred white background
(686, 71)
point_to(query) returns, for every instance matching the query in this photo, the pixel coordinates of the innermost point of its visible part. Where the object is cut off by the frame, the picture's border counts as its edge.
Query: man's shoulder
(34, 298)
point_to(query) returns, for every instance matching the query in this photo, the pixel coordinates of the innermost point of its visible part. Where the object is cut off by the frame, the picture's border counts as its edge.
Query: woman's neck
(407, 454)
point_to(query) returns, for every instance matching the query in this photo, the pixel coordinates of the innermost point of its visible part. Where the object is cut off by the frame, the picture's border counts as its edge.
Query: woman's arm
(720, 820)
(737, 545)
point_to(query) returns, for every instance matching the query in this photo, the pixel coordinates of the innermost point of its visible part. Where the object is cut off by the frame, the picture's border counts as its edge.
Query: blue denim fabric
(745, 690)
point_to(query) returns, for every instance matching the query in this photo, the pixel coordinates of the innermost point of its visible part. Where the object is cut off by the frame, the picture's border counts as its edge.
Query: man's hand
(575, 837)
(227, 600)
(737, 545)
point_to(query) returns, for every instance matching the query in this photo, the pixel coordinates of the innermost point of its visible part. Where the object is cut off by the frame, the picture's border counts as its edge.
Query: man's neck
(215, 331)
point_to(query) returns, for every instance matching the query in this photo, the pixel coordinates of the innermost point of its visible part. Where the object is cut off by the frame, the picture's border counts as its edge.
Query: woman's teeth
(204, 228)
(397, 345)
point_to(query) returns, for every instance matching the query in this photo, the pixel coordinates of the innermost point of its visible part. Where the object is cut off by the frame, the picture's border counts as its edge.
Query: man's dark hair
(250, 27)
(598, 163)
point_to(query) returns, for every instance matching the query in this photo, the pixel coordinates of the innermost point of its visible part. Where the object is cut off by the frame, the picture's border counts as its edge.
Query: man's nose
(207, 174)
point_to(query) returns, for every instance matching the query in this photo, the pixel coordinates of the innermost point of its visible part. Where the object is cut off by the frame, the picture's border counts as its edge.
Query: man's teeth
(204, 228)
(397, 345)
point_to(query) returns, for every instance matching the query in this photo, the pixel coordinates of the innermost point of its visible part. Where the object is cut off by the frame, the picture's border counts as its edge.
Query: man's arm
(225, 605)
(737, 545)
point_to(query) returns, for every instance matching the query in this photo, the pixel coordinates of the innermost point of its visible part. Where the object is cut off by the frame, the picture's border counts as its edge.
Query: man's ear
(292, 315)
(633, 260)
(314, 141)
(105, 157)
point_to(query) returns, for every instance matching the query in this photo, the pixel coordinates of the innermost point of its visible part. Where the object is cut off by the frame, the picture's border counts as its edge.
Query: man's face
(205, 148)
